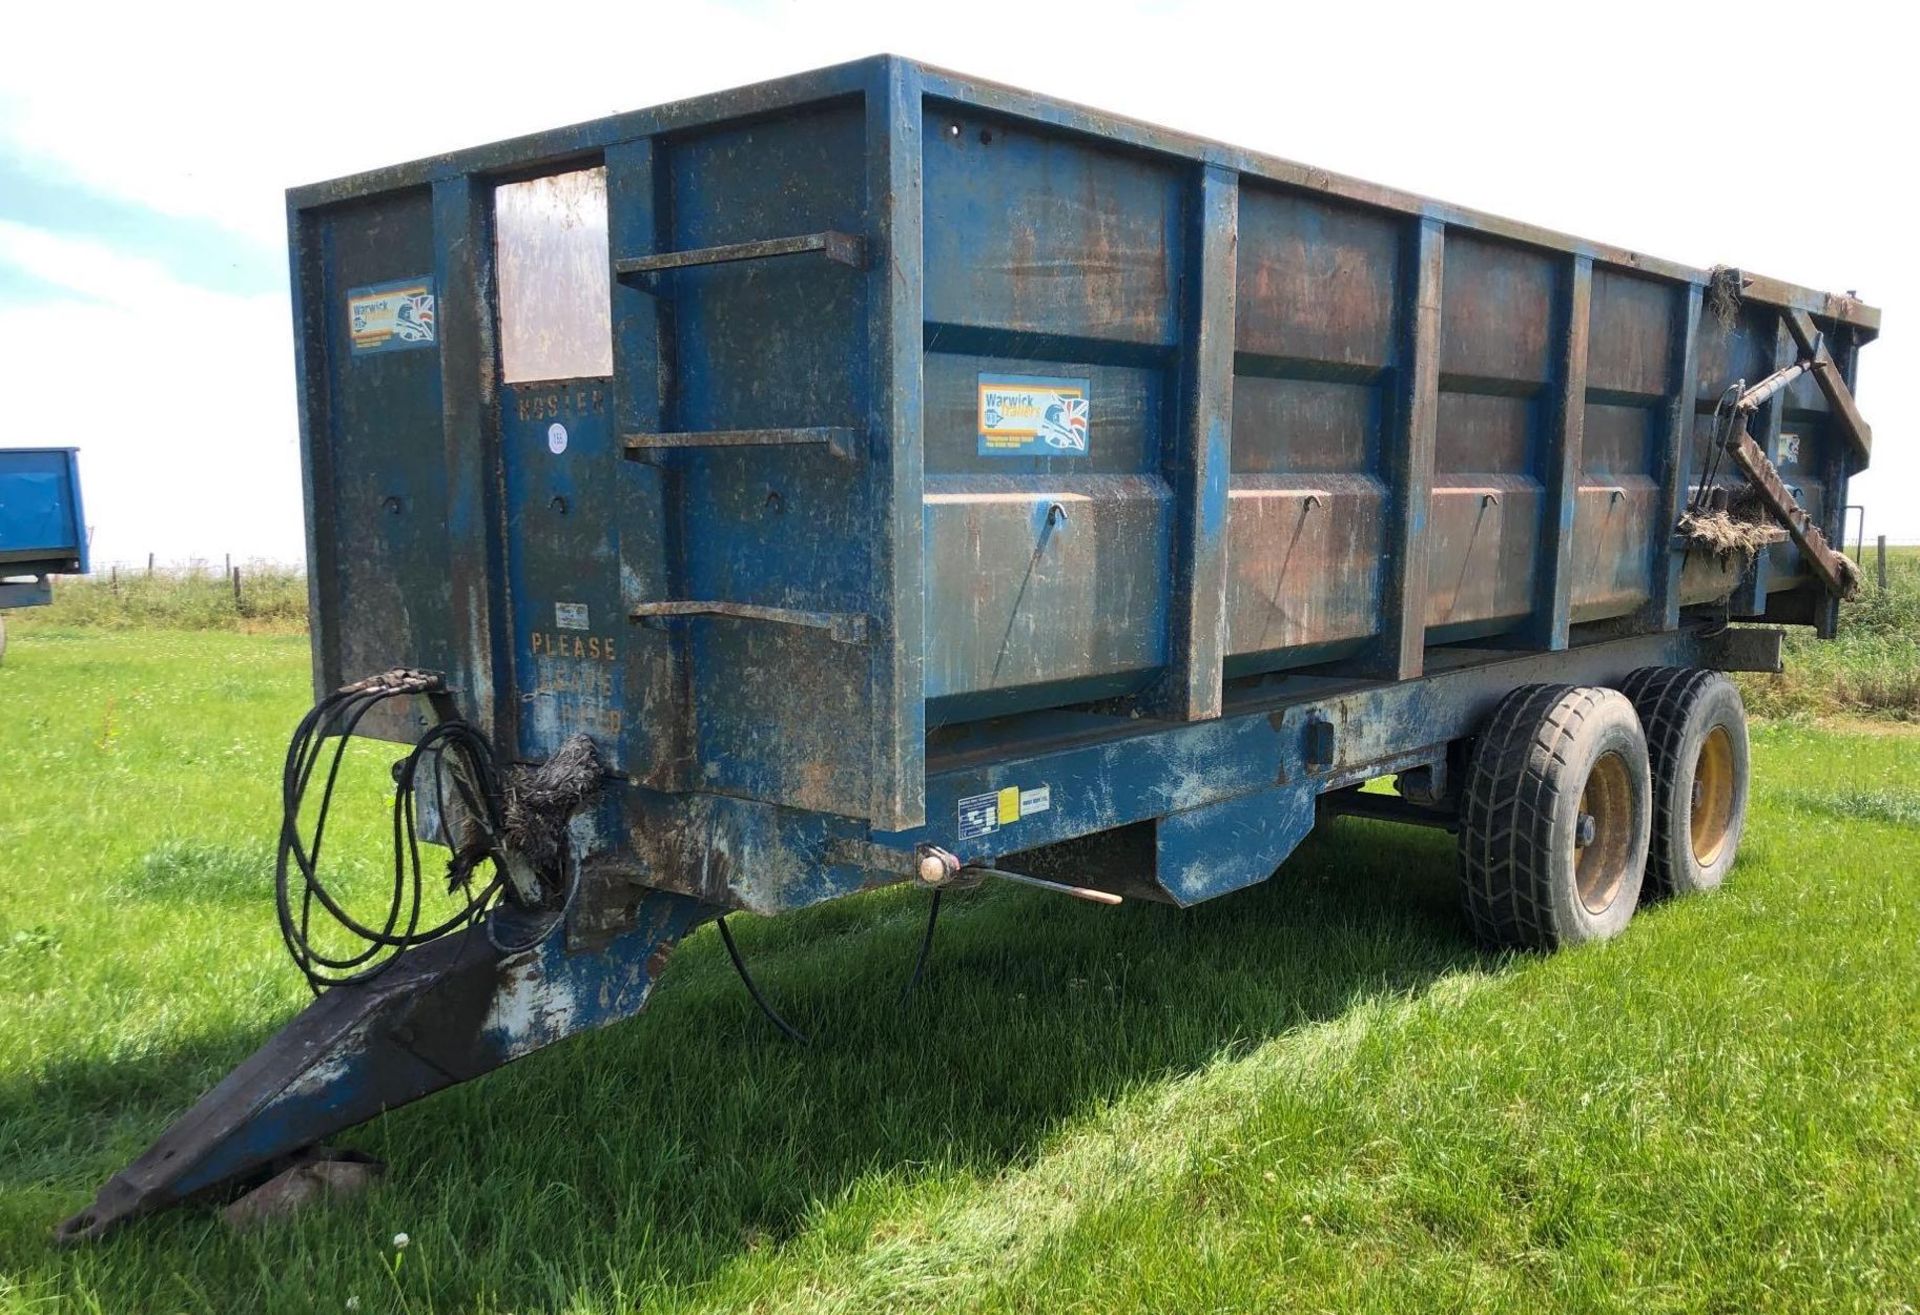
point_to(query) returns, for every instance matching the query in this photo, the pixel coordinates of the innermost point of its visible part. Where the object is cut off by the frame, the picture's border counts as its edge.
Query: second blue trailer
(43, 529)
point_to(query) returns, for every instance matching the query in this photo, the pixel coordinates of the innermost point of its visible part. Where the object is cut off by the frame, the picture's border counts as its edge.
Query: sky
(145, 151)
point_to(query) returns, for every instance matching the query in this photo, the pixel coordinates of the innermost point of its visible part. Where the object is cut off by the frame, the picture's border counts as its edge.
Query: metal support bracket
(840, 248)
(1826, 373)
(1355, 802)
(1839, 575)
(1747, 648)
(841, 442)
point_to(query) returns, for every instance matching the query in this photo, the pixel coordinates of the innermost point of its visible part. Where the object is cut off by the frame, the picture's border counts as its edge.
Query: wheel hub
(1710, 802)
(1603, 833)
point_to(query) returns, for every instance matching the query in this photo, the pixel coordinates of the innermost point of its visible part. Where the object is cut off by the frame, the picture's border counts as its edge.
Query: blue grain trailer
(881, 476)
(43, 532)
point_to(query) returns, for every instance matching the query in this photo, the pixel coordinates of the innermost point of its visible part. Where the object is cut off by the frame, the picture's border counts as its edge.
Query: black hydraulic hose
(477, 789)
(476, 786)
(1716, 447)
(753, 989)
(926, 948)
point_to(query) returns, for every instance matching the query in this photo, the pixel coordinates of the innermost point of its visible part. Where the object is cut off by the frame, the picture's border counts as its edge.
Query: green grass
(271, 598)
(1871, 670)
(1312, 1096)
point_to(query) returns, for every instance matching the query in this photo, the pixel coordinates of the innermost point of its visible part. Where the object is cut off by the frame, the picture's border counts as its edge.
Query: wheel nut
(1583, 831)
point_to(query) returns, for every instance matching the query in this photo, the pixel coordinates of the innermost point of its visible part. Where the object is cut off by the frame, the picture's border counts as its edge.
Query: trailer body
(725, 446)
(897, 474)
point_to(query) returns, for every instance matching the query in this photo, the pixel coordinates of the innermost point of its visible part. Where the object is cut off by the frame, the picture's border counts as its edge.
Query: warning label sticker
(389, 317)
(571, 616)
(983, 814)
(1025, 415)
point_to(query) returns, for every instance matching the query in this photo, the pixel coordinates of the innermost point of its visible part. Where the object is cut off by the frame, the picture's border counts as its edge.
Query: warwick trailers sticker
(1024, 415)
(391, 317)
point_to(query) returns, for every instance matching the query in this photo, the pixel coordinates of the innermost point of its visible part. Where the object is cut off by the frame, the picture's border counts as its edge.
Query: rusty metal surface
(1410, 456)
(1317, 334)
(1565, 403)
(1748, 648)
(1303, 560)
(1832, 381)
(1041, 580)
(1426, 427)
(1332, 431)
(1839, 578)
(1200, 465)
(1103, 771)
(446, 1012)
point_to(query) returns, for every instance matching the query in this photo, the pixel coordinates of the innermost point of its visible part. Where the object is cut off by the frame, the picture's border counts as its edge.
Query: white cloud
(213, 110)
(181, 401)
(92, 270)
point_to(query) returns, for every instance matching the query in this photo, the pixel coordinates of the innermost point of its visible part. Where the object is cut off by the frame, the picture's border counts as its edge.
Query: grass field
(1872, 669)
(1315, 1095)
(271, 599)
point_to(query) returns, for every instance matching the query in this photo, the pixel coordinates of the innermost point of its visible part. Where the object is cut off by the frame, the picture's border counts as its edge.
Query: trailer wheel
(1697, 741)
(1556, 817)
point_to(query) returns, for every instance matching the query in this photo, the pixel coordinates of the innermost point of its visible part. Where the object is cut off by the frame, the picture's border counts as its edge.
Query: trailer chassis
(1228, 801)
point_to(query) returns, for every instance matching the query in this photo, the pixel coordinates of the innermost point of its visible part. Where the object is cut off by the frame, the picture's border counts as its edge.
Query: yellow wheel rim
(1710, 815)
(1603, 833)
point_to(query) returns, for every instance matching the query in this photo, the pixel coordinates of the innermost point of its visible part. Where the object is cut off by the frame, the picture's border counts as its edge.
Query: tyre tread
(1506, 825)
(1665, 698)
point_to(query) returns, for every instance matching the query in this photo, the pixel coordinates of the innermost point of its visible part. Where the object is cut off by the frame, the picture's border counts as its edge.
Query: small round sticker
(556, 438)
